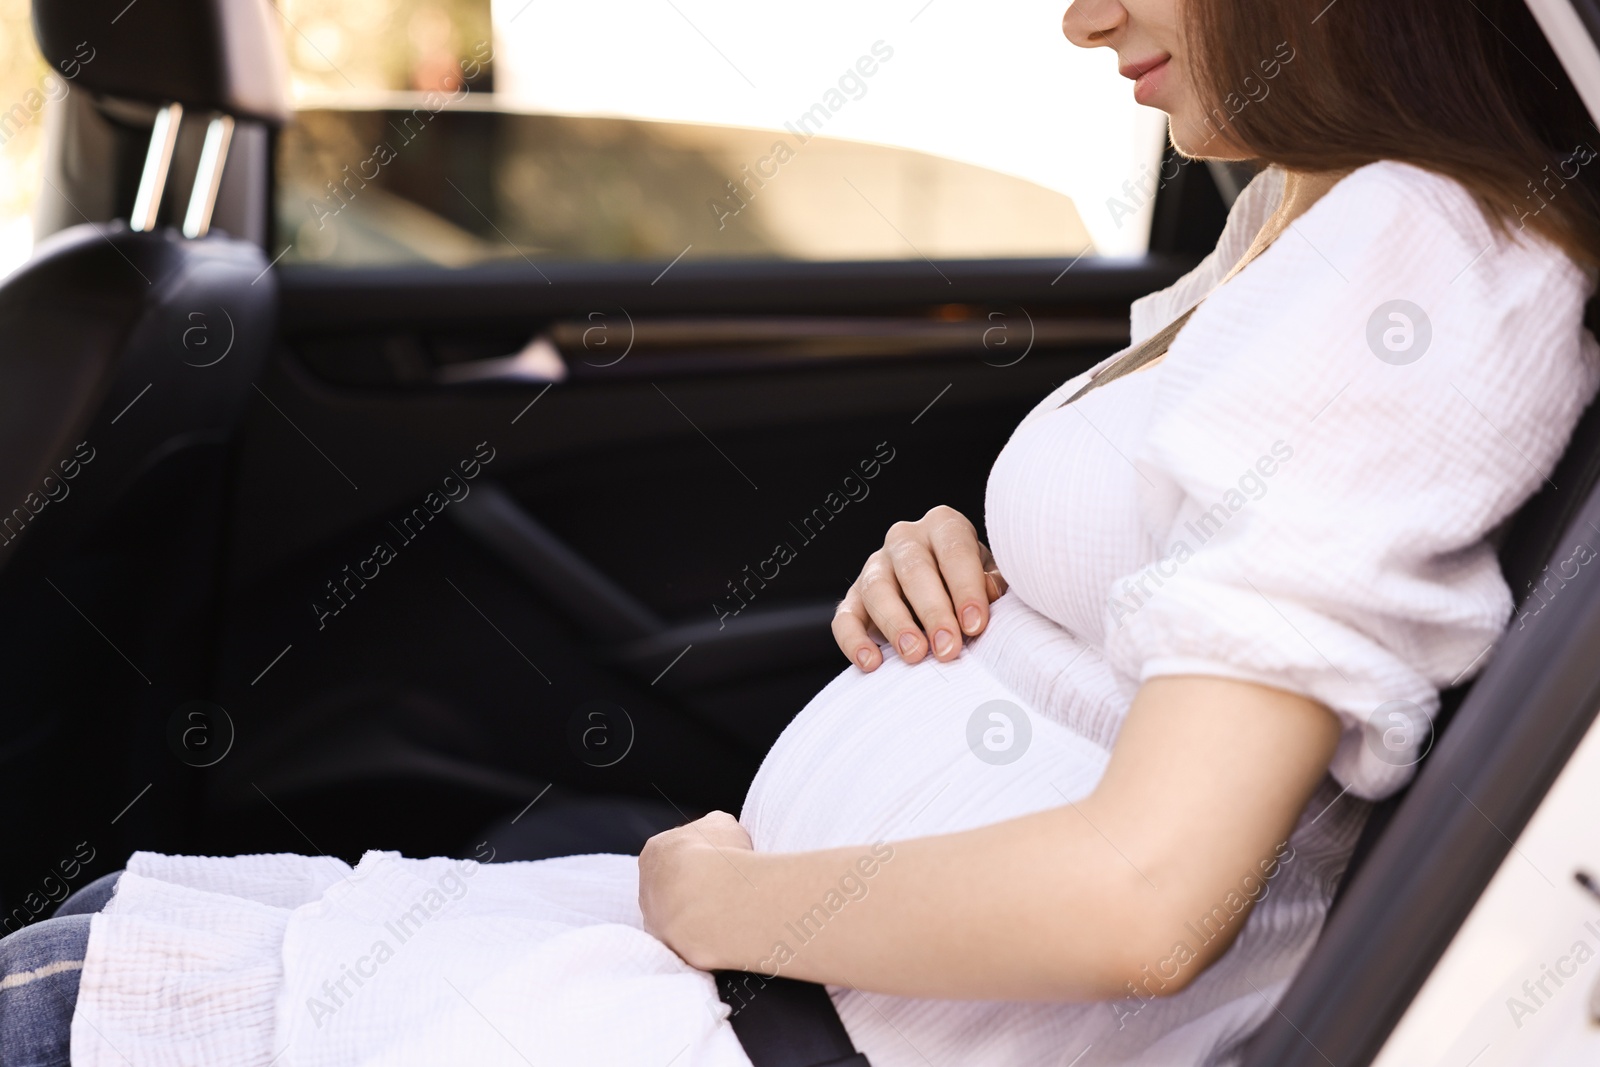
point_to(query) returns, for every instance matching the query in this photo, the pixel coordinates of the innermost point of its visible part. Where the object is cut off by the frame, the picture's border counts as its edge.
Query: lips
(1146, 75)
(1133, 70)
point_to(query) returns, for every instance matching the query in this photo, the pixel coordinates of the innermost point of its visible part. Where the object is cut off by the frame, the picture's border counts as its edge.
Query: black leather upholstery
(209, 55)
(100, 316)
(128, 360)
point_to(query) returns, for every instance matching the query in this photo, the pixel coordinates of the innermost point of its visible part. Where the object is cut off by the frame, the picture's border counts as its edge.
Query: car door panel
(707, 489)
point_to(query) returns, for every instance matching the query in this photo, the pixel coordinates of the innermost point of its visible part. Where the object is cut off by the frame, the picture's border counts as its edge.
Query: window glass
(453, 132)
(26, 85)
(339, 50)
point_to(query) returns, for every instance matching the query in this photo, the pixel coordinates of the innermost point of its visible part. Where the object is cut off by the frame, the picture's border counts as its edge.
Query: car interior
(480, 560)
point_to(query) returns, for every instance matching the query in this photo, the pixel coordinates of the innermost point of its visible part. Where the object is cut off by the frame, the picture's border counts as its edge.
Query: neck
(1301, 189)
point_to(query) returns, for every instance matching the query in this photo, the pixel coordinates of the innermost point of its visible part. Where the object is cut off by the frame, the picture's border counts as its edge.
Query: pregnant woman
(1084, 800)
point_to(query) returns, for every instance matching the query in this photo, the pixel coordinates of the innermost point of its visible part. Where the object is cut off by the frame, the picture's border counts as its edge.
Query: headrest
(208, 55)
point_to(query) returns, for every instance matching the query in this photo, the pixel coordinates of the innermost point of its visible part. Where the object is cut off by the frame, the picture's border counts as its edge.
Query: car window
(26, 87)
(617, 130)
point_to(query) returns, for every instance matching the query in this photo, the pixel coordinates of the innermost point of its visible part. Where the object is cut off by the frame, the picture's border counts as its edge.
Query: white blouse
(1298, 494)
(1357, 571)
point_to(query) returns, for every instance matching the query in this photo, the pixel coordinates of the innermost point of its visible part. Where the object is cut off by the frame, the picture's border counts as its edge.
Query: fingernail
(942, 642)
(908, 643)
(864, 657)
(970, 620)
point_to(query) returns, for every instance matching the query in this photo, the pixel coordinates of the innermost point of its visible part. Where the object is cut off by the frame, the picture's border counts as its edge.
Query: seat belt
(1155, 346)
(1146, 352)
(782, 1022)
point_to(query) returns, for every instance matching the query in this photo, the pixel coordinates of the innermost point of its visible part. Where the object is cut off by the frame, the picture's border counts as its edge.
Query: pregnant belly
(1021, 721)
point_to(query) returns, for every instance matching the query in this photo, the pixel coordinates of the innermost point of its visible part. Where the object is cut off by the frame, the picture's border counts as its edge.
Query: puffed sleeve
(1336, 433)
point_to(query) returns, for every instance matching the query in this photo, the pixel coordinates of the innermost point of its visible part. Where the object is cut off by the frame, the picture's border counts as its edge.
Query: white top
(1273, 501)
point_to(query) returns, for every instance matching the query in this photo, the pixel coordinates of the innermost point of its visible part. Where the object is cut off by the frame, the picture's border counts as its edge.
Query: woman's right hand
(928, 575)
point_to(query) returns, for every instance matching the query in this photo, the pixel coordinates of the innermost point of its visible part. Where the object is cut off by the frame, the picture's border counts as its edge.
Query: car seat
(132, 346)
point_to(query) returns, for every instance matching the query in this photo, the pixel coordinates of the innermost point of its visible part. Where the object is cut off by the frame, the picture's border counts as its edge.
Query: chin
(1195, 139)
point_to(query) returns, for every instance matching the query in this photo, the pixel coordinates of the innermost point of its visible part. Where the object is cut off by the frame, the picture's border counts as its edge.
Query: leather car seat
(131, 348)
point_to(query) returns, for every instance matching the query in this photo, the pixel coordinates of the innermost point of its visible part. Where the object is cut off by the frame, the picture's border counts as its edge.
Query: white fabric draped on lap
(305, 961)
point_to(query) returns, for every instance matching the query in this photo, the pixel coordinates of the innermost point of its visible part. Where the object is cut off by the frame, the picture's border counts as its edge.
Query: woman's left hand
(682, 877)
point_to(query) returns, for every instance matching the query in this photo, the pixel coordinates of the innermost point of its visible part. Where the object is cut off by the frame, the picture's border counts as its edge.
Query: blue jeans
(39, 970)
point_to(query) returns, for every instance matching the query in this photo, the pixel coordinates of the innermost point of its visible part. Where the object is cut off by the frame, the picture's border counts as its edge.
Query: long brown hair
(1466, 88)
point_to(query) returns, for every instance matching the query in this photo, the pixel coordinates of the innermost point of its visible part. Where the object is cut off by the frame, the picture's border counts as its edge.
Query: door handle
(539, 362)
